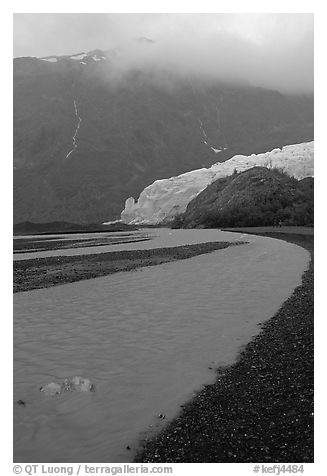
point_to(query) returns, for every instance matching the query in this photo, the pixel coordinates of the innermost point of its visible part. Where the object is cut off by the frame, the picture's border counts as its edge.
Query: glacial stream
(147, 339)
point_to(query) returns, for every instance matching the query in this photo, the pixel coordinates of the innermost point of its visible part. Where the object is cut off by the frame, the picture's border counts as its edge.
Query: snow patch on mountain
(52, 59)
(216, 151)
(166, 198)
(79, 56)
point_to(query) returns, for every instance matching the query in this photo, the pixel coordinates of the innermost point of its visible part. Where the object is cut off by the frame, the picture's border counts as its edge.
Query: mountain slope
(256, 197)
(85, 138)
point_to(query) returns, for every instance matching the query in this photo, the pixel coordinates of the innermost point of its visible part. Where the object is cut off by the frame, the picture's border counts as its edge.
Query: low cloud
(269, 50)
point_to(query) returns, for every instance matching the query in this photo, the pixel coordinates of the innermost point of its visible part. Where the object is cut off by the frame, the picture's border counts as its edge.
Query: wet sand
(261, 408)
(41, 273)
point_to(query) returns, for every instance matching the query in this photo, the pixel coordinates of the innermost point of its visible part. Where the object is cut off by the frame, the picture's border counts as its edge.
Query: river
(147, 339)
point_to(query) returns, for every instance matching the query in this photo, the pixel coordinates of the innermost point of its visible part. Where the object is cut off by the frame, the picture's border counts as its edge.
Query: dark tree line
(266, 203)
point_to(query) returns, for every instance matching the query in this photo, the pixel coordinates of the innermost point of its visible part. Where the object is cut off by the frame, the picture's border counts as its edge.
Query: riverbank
(29, 245)
(261, 408)
(41, 273)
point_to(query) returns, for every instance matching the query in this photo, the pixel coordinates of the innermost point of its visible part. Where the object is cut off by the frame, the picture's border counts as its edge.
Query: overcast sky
(269, 50)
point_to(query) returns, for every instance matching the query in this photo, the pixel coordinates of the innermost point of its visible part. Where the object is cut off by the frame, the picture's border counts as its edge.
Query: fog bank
(270, 50)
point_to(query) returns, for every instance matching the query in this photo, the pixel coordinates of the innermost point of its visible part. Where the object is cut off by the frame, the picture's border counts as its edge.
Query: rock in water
(82, 384)
(69, 384)
(21, 402)
(51, 389)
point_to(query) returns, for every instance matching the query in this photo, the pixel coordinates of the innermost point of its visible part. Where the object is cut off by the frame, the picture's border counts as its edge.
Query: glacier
(166, 198)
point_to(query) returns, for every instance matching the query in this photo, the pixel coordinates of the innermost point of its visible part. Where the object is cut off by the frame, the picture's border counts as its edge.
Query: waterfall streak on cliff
(79, 120)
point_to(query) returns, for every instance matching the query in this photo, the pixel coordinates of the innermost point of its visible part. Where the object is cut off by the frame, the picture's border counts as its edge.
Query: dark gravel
(261, 408)
(30, 245)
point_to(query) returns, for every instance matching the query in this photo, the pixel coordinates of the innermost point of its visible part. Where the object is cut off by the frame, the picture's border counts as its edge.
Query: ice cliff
(164, 199)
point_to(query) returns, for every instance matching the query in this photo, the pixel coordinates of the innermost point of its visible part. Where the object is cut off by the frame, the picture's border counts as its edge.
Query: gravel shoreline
(260, 409)
(41, 273)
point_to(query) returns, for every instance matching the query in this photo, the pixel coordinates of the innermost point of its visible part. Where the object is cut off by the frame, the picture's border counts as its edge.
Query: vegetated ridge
(256, 197)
